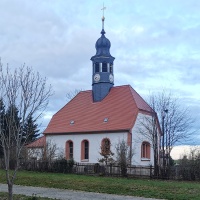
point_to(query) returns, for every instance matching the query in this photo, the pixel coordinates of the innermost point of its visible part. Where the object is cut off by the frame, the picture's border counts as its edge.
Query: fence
(61, 166)
(113, 170)
(64, 166)
(177, 172)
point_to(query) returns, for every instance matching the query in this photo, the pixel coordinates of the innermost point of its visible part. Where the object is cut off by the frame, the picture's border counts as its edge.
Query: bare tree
(177, 122)
(48, 151)
(189, 165)
(176, 125)
(124, 154)
(176, 119)
(71, 94)
(35, 153)
(106, 153)
(29, 93)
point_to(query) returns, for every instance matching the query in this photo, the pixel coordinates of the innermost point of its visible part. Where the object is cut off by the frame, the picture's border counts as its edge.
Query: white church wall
(94, 143)
(137, 139)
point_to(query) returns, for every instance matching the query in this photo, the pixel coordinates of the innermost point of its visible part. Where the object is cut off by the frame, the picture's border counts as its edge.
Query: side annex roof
(39, 143)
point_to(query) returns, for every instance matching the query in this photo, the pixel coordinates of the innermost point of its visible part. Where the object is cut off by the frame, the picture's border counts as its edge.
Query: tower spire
(102, 66)
(103, 19)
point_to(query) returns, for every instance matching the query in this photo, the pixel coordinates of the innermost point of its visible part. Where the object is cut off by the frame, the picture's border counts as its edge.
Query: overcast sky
(156, 44)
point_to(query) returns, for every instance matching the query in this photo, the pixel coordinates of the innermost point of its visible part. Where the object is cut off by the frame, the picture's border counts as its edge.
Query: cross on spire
(103, 18)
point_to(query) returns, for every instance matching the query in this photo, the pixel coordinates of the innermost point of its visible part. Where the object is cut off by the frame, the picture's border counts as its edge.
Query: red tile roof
(39, 143)
(120, 106)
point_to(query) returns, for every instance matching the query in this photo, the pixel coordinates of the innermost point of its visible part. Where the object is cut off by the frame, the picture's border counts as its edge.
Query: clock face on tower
(111, 78)
(96, 77)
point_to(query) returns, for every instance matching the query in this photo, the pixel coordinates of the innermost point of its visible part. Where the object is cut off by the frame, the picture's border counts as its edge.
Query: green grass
(172, 190)
(3, 196)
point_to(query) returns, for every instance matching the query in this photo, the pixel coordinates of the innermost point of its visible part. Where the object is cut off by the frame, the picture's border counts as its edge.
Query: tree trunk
(10, 191)
(156, 169)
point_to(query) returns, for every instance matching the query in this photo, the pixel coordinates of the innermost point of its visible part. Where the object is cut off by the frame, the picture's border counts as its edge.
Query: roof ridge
(82, 91)
(151, 109)
(121, 86)
(71, 100)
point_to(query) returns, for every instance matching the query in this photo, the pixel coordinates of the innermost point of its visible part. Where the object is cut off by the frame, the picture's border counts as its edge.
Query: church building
(103, 114)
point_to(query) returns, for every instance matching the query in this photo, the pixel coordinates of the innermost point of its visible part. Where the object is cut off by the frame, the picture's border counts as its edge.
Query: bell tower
(102, 67)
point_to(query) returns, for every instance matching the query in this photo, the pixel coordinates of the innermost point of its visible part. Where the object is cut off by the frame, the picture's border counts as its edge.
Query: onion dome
(102, 47)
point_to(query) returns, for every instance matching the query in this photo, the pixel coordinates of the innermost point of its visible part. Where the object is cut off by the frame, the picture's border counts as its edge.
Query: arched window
(69, 149)
(85, 150)
(105, 146)
(145, 150)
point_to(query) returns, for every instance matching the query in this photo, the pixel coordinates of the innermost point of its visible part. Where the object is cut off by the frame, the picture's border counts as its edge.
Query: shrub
(63, 166)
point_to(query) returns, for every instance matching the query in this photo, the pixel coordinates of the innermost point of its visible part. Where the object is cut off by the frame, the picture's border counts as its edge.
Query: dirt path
(66, 194)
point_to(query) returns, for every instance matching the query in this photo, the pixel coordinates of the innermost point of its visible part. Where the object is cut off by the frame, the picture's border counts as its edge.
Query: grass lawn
(122, 186)
(3, 196)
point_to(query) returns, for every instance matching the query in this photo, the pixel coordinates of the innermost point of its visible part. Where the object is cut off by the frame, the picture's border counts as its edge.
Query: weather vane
(103, 18)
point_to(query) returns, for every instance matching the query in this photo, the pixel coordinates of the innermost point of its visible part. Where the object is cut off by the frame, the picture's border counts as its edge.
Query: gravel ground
(66, 194)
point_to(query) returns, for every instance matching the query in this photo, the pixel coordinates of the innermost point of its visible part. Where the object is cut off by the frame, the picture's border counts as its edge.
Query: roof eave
(91, 132)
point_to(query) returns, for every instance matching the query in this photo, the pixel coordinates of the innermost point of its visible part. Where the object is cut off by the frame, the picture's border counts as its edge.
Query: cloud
(182, 150)
(155, 43)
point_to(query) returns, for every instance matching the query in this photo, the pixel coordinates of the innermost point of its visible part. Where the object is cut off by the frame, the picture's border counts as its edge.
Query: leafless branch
(28, 92)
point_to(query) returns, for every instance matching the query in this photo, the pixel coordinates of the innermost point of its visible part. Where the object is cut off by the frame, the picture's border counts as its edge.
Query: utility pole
(163, 138)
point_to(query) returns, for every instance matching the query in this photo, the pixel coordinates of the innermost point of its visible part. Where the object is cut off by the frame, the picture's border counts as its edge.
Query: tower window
(111, 68)
(96, 67)
(104, 67)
